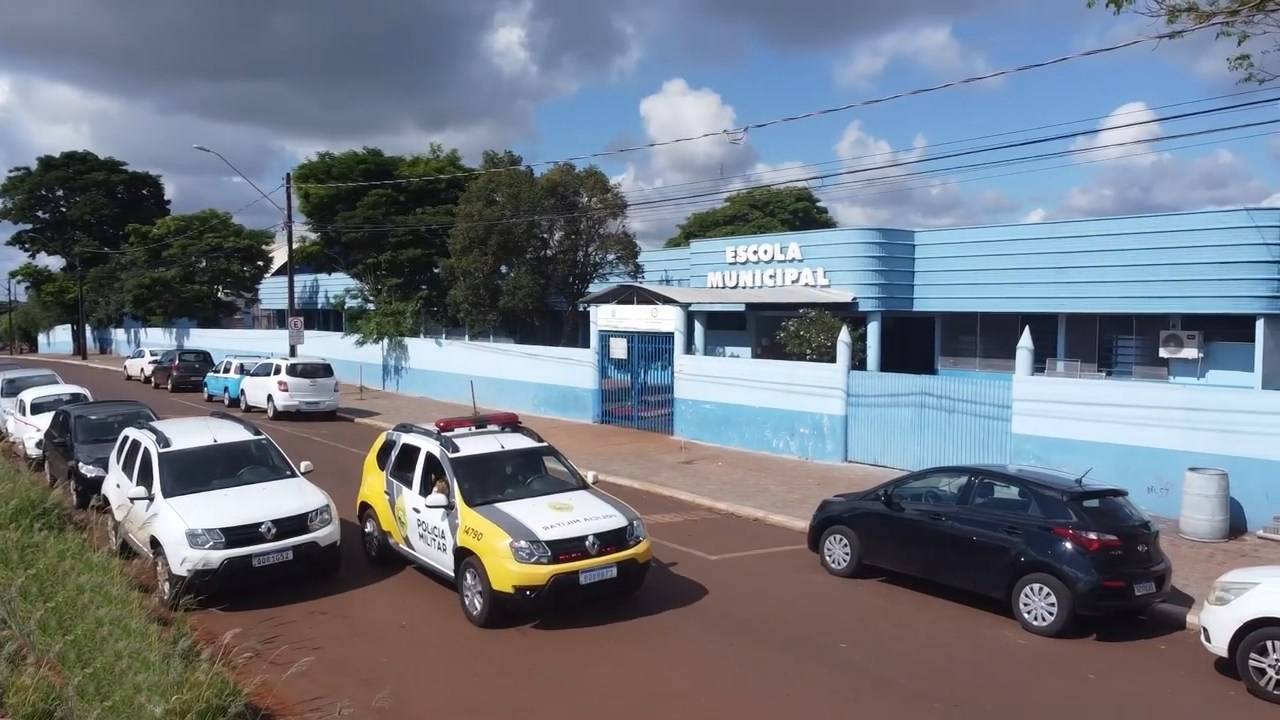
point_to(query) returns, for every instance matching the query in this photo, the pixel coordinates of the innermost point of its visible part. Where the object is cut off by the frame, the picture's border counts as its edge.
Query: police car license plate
(272, 558)
(1144, 588)
(586, 577)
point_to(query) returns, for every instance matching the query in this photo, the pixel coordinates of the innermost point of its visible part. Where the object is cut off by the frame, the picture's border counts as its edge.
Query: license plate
(586, 577)
(272, 558)
(1144, 588)
(311, 404)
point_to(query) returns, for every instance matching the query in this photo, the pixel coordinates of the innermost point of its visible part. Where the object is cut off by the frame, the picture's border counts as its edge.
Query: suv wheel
(1258, 662)
(208, 396)
(126, 373)
(244, 403)
(155, 381)
(479, 602)
(1042, 604)
(80, 497)
(374, 540)
(115, 536)
(169, 385)
(48, 475)
(272, 413)
(226, 399)
(840, 552)
(170, 588)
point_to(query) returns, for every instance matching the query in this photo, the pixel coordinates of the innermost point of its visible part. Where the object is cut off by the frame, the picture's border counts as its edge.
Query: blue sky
(268, 86)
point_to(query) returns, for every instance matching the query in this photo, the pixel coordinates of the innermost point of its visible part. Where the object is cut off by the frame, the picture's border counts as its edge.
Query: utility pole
(10, 316)
(84, 348)
(288, 248)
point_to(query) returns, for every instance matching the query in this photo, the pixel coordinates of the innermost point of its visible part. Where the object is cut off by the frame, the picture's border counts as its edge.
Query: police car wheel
(374, 540)
(479, 602)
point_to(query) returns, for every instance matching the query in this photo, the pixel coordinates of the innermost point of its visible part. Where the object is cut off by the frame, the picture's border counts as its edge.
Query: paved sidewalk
(768, 488)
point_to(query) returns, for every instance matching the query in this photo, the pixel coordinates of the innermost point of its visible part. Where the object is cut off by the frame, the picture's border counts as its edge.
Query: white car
(1241, 622)
(33, 411)
(138, 365)
(208, 499)
(281, 385)
(13, 382)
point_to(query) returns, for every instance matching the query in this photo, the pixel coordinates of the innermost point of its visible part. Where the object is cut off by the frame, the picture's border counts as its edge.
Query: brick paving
(774, 489)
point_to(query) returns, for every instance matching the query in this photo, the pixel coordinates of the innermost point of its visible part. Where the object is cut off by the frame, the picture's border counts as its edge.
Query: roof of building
(789, 294)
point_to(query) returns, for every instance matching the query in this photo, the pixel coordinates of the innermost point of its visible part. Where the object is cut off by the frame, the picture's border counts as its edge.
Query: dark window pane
(221, 466)
(1221, 328)
(1082, 342)
(1044, 333)
(49, 403)
(736, 322)
(997, 341)
(309, 371)
(145, 477)
(1109, 511)
(959, 342)
(405, 464)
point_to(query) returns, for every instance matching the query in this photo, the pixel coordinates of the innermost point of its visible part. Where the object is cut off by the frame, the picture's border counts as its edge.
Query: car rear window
(309, 371)
(13, 386)
(195, 357)
(49, 403)
(1109, 510)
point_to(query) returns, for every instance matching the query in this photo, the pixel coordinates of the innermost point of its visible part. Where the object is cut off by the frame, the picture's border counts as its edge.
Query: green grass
(77, 638)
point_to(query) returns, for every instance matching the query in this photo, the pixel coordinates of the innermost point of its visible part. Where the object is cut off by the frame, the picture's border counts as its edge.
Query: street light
(288, 223)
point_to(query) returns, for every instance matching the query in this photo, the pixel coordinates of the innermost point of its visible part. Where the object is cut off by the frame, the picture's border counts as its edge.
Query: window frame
(961, 494)
(1033, 511)
(401, 449)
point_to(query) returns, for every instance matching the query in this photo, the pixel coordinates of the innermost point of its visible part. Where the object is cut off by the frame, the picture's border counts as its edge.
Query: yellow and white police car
(486, 502)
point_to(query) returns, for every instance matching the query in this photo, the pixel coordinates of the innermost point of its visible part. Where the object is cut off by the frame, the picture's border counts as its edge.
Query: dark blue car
(1052, 545)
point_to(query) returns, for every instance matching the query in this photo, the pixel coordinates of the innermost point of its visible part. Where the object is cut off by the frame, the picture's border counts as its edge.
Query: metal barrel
(1206, 505)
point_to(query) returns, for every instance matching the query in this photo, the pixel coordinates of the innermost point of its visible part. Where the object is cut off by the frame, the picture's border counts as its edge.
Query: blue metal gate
(637, 380)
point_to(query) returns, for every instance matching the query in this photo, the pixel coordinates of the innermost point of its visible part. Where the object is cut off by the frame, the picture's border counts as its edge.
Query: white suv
(281, 385)
(1241, 622)
(211, 498)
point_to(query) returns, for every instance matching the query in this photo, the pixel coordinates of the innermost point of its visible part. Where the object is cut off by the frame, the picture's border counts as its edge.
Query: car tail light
(336, 386)
(282, 386)
(1088, 540)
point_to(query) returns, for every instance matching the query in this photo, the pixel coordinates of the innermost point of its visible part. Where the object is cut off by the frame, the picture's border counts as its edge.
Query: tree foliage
(390, 238)
(756, 212)
(527, 247)
(813, 336)
(1252, 27)
(202, 266)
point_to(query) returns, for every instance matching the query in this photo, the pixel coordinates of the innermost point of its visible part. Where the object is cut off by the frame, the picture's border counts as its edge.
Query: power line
(739, 133)
(197, 231)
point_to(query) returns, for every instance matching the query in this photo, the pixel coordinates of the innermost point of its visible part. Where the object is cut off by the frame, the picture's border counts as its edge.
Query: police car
(487, 503)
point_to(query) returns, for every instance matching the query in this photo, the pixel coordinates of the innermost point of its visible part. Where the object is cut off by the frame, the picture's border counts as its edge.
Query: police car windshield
(221, 466)
(513, 475)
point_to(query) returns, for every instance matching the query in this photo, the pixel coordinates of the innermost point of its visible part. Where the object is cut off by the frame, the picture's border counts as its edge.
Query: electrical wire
(196, 231)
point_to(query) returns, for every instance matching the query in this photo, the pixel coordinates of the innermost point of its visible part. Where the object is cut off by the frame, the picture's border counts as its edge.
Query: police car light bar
(500, 419)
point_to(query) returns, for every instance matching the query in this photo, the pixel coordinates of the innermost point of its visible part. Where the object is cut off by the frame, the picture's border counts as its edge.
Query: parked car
(34, 410)
(78, 440)
(13, 382)
(1241, 622)
(211, 499)
(486, 503)
(290, 385)
(223, 381)
(1049, 543)
(138, 365)
(181, 369)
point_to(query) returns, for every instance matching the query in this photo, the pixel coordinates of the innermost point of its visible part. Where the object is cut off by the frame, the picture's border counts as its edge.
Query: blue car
(224, 380)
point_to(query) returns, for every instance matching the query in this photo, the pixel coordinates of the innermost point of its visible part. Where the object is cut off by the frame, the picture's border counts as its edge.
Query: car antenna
(474, 409)
(1080, 480)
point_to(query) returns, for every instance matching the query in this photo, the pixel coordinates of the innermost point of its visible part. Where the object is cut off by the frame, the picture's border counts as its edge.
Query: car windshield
(49, 403)
(105, 428)
(309, 371)
(1110, 511)
(203, 357)
(12, 386)
(514, 475)
(221, 466)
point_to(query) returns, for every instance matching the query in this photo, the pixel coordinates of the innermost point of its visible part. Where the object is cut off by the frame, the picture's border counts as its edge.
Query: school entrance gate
(637, 380)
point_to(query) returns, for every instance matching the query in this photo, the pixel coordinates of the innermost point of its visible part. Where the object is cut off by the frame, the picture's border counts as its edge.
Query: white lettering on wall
(770, 277)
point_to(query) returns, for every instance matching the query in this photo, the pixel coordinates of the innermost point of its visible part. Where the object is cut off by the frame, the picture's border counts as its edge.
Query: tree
(390, 237)
(526, 248)
(50, 299)
(202, 266)
(756, 212)
(75, 203)
(813, 336)
(1247, 21)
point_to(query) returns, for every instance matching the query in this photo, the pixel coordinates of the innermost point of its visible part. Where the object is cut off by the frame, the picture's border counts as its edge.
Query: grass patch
(77, 640)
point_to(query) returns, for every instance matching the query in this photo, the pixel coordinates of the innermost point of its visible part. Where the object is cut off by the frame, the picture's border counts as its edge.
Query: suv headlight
(527, 551)
(636, 532)
(90, 471)
(1224, 593)
(211, 539)
(319, 518)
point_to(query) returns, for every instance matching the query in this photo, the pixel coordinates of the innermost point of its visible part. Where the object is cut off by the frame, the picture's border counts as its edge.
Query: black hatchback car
(181, 369)
(1050, 544)
(80, 438)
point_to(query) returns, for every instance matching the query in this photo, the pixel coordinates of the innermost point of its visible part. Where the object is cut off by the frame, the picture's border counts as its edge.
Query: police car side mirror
(593, 477)
(437, 500)
(305, 467)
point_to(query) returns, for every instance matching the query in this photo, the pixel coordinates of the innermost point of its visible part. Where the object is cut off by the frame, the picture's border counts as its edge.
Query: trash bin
(1206, 505)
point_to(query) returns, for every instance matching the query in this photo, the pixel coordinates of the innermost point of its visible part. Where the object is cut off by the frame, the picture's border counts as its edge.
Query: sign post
(295, 332)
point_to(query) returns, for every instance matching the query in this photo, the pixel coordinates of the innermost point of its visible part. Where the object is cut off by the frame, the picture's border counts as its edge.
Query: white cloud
(1035, 216)
(933, 48)
(1119, 127)
(1272, 201)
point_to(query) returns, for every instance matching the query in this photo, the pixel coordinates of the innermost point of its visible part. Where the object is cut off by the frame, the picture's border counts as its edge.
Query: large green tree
(527, 247)
(1252, 27)
(756, 212)
(390, 236)
(202, 266)
(74, 205)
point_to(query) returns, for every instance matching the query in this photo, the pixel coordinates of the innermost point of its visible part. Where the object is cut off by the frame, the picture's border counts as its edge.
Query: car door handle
(937, 516)
(417, 510)
(1011, 530)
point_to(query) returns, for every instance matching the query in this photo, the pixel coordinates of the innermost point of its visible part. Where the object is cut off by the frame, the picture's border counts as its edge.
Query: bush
(76, 637)
(813, 337)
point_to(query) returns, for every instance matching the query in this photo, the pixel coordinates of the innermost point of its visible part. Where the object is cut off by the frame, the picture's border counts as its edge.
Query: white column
(593, 323)
(1024, 359)
(844, 363)
(1266, 353)
(700, 333)
(873, 341)
(937, 343)
(678, 341)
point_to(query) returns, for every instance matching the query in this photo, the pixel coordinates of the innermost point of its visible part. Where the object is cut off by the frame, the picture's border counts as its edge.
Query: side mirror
(305, 467)
(437, 501)
(40, 444)
(137, 493)
(153, 361)
(886, 498)
(593, 477)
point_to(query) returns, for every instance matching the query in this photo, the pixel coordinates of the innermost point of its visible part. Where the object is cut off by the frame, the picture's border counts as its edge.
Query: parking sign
(295, 331)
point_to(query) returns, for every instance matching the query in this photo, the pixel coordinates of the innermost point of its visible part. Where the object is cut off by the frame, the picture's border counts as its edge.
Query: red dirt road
(736, 620)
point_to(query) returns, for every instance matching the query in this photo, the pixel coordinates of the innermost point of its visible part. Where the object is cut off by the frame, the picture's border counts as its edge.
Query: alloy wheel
(472, 592)
(164, 581)
(1038, 604)
(1264, 665)
(836, 551)
(370, 536)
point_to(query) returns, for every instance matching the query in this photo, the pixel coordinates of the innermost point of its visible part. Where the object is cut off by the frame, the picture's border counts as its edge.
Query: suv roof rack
(162, 440)
(409, 428)
(253, 429)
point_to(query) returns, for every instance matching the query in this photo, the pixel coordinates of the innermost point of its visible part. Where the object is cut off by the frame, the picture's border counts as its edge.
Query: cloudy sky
(269, 83)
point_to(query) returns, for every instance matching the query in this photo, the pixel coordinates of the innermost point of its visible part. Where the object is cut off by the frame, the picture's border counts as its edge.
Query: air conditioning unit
(1184, 344)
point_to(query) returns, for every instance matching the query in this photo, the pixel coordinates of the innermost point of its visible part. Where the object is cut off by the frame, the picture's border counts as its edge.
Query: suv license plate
(272, 558)
(586, 577)
(1144, 588)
